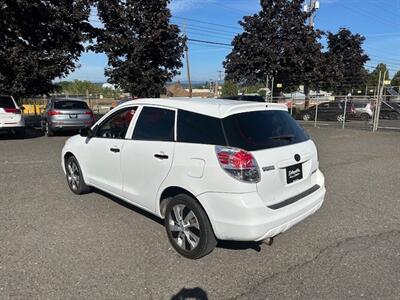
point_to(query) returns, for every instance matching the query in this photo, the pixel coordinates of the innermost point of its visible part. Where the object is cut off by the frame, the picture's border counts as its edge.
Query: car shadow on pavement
(237, 245)
(195, 293)
(230, 245)
(129, 206)
(30, 133)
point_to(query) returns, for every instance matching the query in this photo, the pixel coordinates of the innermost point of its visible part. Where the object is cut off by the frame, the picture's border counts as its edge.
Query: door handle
(161, 156)
(115, 150)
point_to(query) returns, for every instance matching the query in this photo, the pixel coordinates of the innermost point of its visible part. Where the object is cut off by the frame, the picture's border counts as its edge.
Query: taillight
(238, 163)
(13, 110)
(54, 113)
(89, 112)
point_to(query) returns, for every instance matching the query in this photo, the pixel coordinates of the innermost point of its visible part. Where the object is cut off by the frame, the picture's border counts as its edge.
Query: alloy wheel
(73, 175)
(184, 227)
(340, 118)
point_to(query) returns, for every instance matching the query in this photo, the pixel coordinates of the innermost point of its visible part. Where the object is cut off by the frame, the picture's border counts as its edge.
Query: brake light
(13, 110)
(54, 113)
(89, 112)
(238, 163)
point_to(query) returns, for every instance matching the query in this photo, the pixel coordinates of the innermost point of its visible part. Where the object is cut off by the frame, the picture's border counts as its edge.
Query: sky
(217, 21)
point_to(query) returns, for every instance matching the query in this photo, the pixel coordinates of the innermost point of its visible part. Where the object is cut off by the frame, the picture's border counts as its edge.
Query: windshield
(262, 130)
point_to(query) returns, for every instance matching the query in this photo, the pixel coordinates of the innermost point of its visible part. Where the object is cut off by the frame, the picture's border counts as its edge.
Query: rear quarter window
(259, 130)
(6, 102)
(199, 129)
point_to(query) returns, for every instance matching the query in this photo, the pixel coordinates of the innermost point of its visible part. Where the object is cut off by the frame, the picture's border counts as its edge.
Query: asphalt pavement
(56, 245)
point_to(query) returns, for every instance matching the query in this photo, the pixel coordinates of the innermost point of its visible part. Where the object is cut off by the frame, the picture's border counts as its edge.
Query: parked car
(252, 98)
(212, 170)
(390, 110)
(329, 111)
(11, 119)
(363, 110)
(66, 114)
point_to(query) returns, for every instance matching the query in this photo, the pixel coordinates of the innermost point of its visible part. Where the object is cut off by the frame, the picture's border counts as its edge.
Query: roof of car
(219, 108)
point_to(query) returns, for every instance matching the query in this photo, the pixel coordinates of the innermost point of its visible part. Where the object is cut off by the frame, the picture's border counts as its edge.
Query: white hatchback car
(213, 169)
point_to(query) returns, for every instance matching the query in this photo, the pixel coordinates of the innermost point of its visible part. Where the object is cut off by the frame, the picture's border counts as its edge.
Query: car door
(323, 111)
(147, 157)
(103, 151)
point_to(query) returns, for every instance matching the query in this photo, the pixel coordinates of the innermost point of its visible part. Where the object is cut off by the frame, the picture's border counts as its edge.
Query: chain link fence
(361, 112)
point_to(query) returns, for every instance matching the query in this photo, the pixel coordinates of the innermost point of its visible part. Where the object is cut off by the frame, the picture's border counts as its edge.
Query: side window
(155, 124)
(199, 129)
(117, 125)
(325, 105)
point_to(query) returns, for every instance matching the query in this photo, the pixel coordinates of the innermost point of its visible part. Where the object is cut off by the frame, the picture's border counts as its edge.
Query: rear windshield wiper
(282, 137)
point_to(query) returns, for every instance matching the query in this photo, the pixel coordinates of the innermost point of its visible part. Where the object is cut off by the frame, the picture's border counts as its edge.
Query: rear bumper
(244, 217)
(9, 125)
(66, 127)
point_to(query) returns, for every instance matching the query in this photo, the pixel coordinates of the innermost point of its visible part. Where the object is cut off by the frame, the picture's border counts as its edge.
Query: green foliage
(144, 50)
(344, 61)
(396, 80)
(79, 87)
(277, 42)
(229, 88)
(373, 78)
(39, 42)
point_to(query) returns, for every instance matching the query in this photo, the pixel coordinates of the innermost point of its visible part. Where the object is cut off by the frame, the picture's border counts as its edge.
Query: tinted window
(262, 130)
(199, 129)
(117, 125)
(68, 104)
(6, 102)
(155, 124)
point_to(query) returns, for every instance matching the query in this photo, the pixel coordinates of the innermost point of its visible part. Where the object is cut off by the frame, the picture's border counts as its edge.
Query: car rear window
(6, 102)
(259, 130)
(68, 104)
(199, 129)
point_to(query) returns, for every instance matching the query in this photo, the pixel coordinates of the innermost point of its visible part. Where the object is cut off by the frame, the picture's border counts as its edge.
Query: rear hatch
(9, 114)
(72, 112)
(286, 156)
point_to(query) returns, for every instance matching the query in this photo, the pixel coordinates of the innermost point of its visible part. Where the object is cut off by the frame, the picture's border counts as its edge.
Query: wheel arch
(168, 193)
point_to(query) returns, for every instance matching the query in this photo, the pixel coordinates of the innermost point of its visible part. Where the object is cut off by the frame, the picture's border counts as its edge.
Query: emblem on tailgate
(268, 168)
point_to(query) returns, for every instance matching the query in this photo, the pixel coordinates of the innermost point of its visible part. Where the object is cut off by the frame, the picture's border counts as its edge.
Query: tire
(190, 233)
(393, 116)
(339, 118)
(364, 117)
(48, 131)
(74, 177)
(306, 117)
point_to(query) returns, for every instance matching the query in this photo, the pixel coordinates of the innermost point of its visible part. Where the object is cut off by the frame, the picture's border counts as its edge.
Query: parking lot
(54, 244)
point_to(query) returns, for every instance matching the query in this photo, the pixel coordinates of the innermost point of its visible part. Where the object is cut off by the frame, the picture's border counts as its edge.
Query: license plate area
(74, 116)
(294, 173)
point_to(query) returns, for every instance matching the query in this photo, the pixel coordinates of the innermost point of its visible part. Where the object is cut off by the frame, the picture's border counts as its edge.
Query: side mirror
(86, 132)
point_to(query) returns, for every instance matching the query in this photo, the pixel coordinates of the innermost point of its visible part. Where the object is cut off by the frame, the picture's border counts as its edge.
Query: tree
(373, 78)
(40, 41)
(144, 50)
(229, 88)
(396, 80)
(345, 59)
(276, 42)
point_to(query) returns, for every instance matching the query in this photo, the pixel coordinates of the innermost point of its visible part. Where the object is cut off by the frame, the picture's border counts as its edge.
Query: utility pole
(187, 59)
(217, 82)
(311, 8)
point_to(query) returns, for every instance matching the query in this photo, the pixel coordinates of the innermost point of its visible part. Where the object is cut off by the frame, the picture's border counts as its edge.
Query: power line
(209, 23)
(209, 42)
